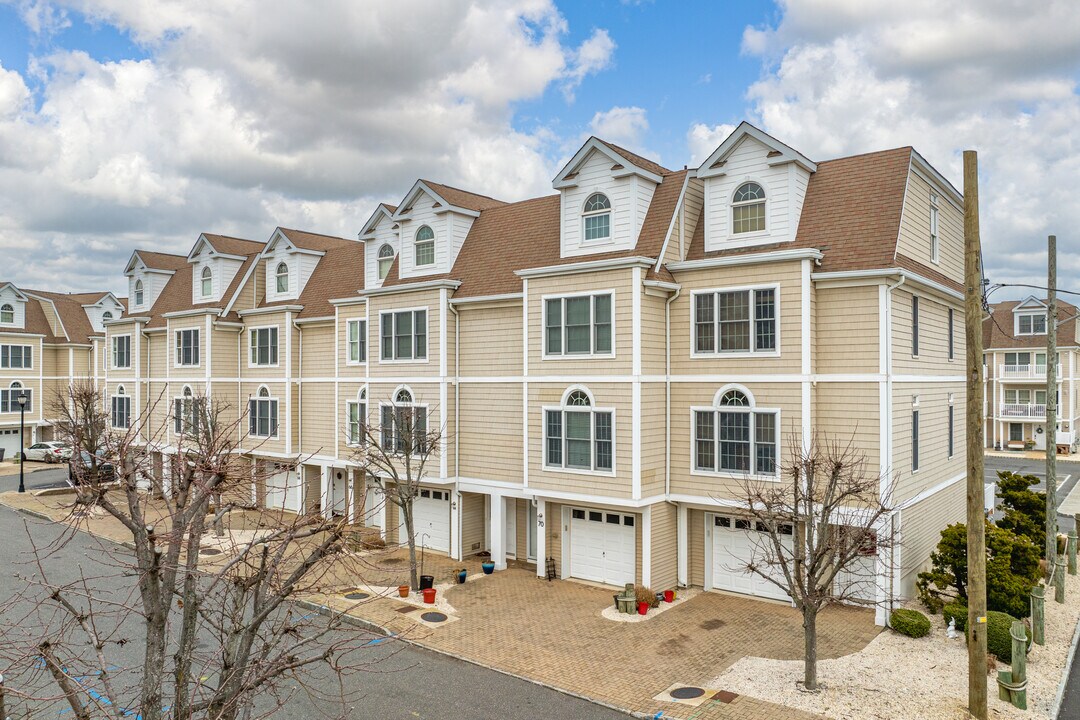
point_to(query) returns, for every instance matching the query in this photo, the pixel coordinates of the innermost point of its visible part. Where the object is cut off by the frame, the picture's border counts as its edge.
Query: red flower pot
(429, 595)
(642, 608)
(669, 595)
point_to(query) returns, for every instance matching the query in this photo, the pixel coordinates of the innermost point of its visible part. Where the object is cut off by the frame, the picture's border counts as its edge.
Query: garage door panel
(602, 546)
(431, 519)
(735, 542)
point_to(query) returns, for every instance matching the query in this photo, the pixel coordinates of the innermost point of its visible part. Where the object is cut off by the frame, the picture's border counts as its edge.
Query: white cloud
(703, 139)
(844, 77)
(251, 114)
(621, 125)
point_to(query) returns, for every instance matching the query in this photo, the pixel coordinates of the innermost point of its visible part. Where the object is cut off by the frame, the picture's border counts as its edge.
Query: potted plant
(642, 608)
(403, 591)
(488, 566)
(462, 574)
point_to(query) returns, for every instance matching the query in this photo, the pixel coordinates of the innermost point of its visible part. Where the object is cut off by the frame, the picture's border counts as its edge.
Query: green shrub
(998, 639)
(1023, 509)
(910, 622)
(956, 611)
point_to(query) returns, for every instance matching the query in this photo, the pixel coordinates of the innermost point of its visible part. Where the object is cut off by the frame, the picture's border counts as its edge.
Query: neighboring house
(1014, 337)
(48, 341)
(608, 364)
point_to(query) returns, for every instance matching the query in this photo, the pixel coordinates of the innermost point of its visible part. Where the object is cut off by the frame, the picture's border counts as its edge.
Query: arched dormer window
(107, 315)
(734, 436)
(282, 274)
(138, 293)
(425, 246)
(577, 436)
(207, 279)
(596, 218)
(748, 209)
(7, 314)
(386, 259)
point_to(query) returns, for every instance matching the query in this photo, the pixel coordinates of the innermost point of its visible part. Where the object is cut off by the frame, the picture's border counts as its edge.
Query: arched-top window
(138, 292)
(120, 390)
(107, 315)
(403, 425)
(403, 397)
(748, 208)
(282, 274)
(9, 398)
(15, 385)
(386, 259)
(735, 436)
(734, 398)
(207, 282)
(578, 436)
(578, 398)
(7, 313)
(187, 391)
(262, 414)
(425, 246)
(356, 418)
(264, 392)
(362, 395)
(596, 217)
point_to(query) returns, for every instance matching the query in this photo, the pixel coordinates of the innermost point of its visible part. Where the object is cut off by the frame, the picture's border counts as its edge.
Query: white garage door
(735, 543)
(602, 546)
(431, 519)
(283, 489)
(9, 440)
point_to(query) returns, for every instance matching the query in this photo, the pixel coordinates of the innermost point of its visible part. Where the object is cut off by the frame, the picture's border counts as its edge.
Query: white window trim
(434, 247)
(598, 242)
(112, 352)
(251, 331)
(413, 404)
(138, 287)
(751, 408)
(592, 409)
(935, 230)
(592, 320)
(367, 341)
(14, 315)
(1016, 322)
(202, 280)
(18, 345)
(183, 421)
(112, 414)
(176, 347)
(757, 237)
(13, 408)
(408, 361)
(288, 277)
(379, 259)
(271, 399)
(360, 399)
(694, 354)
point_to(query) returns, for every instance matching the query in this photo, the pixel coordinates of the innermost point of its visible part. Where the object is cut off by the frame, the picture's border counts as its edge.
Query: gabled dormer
(1029, 317)
(754, 186)
(148, 273)
(605, 193)
(432, 223)
(214, 263)
(287, 267)
(106, 309)
(12, 308)
(381, 244)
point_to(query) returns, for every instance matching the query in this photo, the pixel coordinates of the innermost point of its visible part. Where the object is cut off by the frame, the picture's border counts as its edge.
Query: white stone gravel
(899, 677)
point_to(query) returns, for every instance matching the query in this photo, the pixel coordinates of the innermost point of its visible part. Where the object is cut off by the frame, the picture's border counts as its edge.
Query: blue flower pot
(489, 567)
(461, 577)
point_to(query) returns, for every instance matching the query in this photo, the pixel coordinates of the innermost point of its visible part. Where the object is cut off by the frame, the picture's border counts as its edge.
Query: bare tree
(394, 455)
(223, 637)
(820, 532)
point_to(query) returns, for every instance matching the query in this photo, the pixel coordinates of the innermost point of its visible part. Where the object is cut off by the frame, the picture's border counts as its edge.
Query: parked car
(81, 468)
(50, 452)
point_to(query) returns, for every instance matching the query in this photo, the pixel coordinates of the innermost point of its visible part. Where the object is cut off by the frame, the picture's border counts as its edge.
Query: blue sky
(141, 124)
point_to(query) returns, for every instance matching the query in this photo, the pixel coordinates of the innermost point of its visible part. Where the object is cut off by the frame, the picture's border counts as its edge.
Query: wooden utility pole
(1051, 404)
(976, 527)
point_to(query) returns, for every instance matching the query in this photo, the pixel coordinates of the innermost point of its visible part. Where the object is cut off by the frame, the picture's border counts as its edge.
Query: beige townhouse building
(48, 341)
(1014, 335)
(607, 365)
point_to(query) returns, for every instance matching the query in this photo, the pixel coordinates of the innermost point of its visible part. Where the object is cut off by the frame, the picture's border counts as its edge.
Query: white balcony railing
(1025, 372)
(1022, 410)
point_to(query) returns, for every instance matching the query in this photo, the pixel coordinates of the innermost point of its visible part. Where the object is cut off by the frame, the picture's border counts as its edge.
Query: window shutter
(178, 412)
(253, 420)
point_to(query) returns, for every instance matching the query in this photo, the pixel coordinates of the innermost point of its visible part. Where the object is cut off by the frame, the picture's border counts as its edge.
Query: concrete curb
(1056, 707)
(31, 513)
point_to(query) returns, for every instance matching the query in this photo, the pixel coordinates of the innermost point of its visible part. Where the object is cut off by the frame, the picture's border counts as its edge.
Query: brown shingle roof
(998, 327)
(162, 261)
(340, 273)
(462, 198)
(72, 314)
(315, 241)
(641, 162)
(232, 245)
(35, 322)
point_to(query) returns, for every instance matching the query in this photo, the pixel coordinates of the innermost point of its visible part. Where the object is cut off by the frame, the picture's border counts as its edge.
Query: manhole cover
(209, 551)
(686, 693)
(434, 617)
(356, 595)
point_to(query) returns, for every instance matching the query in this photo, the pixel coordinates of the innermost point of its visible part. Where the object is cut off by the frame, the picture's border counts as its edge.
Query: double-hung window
(403, 426)
(915, 326)
(120, 417)
(356, 419)
(9, 398)
(187, 347)
(16, 357)
(914, 440)
(952, 430)
(404, 335)
(952, 341)
(735, 437)
(935, 240)
(578, 436)
(263, 415)
(596, 218)
(187, 410)
(357, 340)
(121, 352)
(1031, 324)
(735, 321)
(264, 346)
(578, 325)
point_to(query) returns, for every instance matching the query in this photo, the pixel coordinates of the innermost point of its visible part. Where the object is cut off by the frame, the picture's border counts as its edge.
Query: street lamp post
(22, 399)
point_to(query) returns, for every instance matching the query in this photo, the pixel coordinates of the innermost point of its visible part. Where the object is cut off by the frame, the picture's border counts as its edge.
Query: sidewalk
(1030, 455)
(10, 467)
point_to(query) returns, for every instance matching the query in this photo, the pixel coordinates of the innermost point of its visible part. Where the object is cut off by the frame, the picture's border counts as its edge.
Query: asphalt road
(37, 478)
(404, 682)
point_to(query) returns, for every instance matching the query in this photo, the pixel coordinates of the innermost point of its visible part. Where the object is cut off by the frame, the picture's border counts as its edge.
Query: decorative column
(1038, 615)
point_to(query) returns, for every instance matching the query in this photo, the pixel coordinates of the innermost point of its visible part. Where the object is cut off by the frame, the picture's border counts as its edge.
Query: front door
(339, 492)
(1040, 437)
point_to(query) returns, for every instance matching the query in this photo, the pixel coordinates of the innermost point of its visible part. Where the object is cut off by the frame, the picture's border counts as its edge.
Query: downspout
(889, 414)
(457, 394)
(667, 388)
(299, 395)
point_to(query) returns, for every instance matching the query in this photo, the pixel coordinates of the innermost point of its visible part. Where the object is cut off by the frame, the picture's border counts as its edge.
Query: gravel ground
(898, 677)
(610, 613)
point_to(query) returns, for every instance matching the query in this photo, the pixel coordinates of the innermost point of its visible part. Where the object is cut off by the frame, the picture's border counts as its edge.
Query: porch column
(455, 524)
(498, 532)
(541, 539)
(350, 496)
(381, 504)
(682, 547)
(326, 506)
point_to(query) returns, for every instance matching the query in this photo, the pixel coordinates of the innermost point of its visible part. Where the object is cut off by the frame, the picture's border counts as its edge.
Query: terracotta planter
(669, 595)
(642, 608)
(403, 591)
(429, 595)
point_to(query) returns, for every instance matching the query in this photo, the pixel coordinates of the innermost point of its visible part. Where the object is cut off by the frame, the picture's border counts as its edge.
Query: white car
(50, 452)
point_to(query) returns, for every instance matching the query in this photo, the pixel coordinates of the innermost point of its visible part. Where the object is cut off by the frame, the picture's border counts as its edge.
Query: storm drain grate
(433, 617)
(356, 595)
(686, 693)
(209, 551)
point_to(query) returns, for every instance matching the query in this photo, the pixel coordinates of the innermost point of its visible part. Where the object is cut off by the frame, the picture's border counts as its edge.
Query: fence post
(1071, 551)
(1038, 614)
(1059, 571)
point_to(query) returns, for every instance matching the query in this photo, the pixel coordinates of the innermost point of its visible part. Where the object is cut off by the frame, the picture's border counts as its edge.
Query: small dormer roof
(780, 153)
(18, 293)
(447, 199)
(1030, 303)
(224, 246)
(154, 262)
(101, 301)
(381, 210)
(623, 161)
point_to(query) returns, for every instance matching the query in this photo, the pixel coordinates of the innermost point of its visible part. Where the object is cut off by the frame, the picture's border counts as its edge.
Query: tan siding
(490, 340)
(224, 352)
(317, 346)
(319, 427)
(934, 464)
(653, 334)
(846, 412)
(344, 368)
(920, 530)
(653, 439)
(472, 523)
(933, 355)
(914, 239)
(490, 438)
(846, 336)
(695, 540)
(664, 547)
(426, 299)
